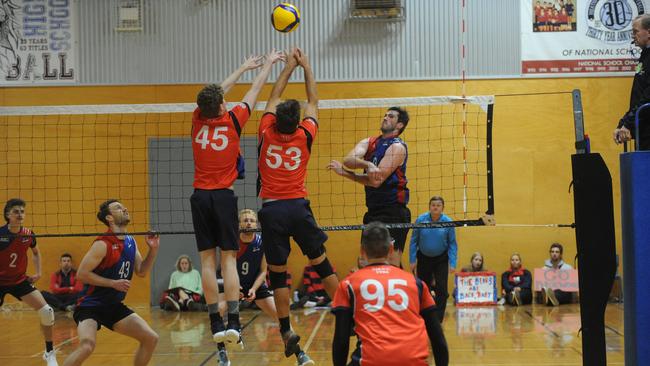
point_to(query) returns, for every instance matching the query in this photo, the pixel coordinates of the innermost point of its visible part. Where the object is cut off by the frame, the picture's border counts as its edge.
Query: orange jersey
(386, 303)
(283, 159)
(215, 145)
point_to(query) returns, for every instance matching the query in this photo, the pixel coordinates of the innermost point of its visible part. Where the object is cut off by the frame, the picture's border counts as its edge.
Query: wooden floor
(530, 335)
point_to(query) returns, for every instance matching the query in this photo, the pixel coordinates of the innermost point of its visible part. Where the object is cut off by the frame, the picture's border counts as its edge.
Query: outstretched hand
(274, 56)
(292, 60)
(252, 62)
(301, 57)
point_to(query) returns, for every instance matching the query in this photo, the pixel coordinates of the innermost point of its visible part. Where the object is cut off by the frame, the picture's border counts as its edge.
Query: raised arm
(311, 109)
(142, 267)
(281, 83)
(271, 58)
(250, 63)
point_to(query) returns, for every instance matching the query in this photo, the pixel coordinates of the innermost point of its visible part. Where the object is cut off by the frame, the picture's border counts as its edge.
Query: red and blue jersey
(249, 261)
(393, 190)
(118, 264)
(13, 255)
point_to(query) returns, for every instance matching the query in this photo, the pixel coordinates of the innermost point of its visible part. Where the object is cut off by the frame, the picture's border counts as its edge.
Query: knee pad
(324, 268)
(46, 313)
(314, 253)
(278, 279)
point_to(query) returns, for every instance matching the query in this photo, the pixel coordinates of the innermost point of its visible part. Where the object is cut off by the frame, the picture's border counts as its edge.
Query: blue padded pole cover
(635, 216)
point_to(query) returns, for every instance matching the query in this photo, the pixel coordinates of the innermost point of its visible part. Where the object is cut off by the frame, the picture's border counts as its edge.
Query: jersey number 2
(220, 140)
(373, 290)
(13, 257)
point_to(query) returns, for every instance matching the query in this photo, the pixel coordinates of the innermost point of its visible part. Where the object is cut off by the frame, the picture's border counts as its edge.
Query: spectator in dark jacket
(64, 286)
(640, 94)
(517, 283)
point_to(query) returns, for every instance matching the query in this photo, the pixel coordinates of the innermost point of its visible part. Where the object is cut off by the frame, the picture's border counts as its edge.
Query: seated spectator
(517, 283)
(184, 291)
(551, 296)
(476, 264)
(64, 286)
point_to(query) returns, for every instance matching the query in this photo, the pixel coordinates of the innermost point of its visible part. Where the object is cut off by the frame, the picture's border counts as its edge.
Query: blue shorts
(214, 216)
(282, 219)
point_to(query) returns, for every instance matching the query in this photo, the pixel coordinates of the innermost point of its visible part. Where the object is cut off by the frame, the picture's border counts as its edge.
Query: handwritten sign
(556, 279)
(476, 288)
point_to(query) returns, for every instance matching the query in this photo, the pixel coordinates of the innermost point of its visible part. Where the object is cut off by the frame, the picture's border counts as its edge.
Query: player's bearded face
(120, 214)
(389, 123)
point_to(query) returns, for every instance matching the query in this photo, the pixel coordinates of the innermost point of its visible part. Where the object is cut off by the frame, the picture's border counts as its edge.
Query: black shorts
(261, 293)
(391, 215)
(106, 315)
(284, 218)
(17, 291)
(215, 219)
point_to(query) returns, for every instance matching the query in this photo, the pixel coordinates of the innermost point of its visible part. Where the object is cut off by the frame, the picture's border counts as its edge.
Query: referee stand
(595, 239)
(635, 220)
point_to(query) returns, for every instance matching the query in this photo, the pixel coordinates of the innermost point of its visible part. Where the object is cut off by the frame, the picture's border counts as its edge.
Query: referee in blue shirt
(432, 251)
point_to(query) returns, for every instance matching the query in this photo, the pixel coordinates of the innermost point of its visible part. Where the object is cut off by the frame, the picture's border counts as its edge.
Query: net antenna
(66, 160)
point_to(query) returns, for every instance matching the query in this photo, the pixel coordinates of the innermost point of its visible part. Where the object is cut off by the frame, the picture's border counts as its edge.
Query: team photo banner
(579, 36)
(38, 42)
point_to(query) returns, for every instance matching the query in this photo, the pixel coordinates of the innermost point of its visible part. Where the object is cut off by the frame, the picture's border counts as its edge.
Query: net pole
(464, 107)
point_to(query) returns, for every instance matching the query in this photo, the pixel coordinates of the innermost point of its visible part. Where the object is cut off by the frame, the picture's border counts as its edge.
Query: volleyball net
(66, 160)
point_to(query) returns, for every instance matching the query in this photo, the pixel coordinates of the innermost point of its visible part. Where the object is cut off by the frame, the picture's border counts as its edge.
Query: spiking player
(215, 145)
(284, 150)
(391, 310)
(14, 242)
(106, 270)
(383, 159)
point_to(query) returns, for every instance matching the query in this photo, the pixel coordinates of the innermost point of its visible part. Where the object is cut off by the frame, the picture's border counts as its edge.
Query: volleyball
(285, 17)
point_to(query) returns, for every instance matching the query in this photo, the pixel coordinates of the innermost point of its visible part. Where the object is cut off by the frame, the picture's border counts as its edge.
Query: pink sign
(565, 280)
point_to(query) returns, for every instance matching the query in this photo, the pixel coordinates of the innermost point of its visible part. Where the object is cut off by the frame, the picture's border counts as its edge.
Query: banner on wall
(37, 42)
(579, 36)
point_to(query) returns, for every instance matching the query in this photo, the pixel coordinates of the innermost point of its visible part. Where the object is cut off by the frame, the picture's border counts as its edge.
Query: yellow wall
(533, 141)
